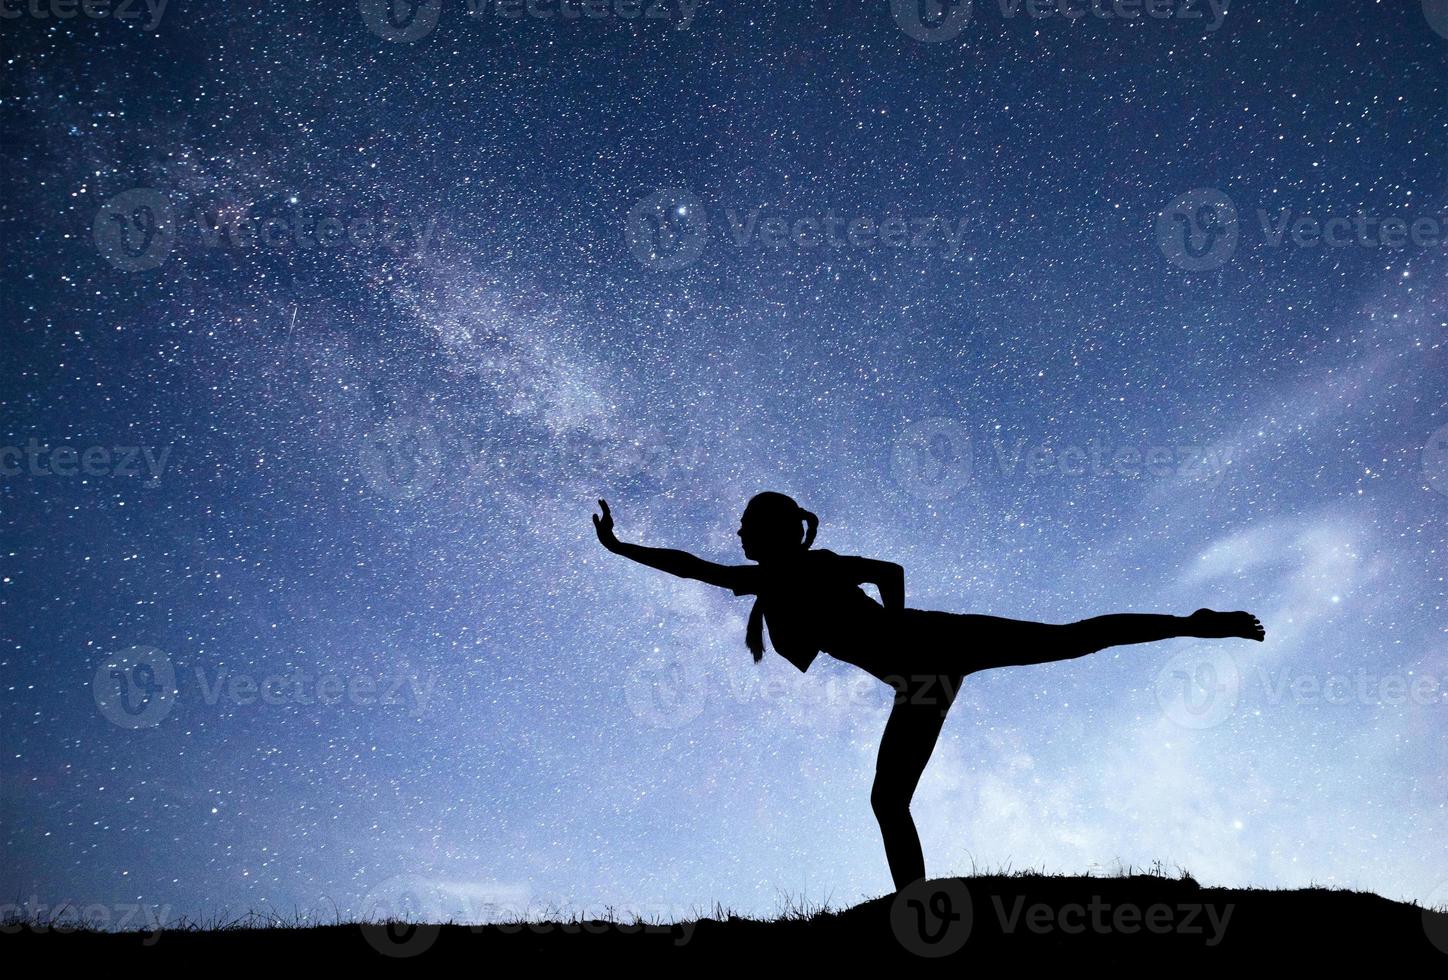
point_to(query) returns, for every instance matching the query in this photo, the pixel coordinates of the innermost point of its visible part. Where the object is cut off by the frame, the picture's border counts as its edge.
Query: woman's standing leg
(921, 705)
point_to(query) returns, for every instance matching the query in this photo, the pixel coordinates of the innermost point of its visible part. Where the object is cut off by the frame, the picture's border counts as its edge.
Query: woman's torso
(811, 607)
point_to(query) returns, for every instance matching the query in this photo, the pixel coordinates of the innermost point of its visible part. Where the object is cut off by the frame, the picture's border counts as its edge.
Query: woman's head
(774, 526)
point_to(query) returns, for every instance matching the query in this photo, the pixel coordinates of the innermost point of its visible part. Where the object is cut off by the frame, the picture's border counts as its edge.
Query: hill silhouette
(1170, 925)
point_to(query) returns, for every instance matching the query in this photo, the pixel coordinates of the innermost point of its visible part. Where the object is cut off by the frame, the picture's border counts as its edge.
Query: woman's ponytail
(754, 632)
(812, 526)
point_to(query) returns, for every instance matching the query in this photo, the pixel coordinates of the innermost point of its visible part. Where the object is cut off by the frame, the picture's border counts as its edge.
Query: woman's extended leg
(921, 704)
(1014, 642)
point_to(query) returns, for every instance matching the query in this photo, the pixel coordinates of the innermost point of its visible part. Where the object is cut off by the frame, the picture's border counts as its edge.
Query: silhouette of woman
(811, 601)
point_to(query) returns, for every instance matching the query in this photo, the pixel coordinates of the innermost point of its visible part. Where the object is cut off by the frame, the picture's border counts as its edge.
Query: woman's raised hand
(604, 526)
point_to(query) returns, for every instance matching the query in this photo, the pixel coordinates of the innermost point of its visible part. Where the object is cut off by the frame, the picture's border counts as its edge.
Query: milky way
(325, 326)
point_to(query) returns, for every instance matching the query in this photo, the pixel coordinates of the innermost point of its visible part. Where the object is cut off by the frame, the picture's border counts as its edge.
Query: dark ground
(1170, 926)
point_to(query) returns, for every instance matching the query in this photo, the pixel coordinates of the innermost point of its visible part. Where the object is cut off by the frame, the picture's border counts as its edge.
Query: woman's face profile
(749, 537)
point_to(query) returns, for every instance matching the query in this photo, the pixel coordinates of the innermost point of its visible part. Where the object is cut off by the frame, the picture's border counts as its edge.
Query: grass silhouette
(1141, 918)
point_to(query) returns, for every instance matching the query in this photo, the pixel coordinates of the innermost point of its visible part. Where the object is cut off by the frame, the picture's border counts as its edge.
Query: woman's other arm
(886, 576)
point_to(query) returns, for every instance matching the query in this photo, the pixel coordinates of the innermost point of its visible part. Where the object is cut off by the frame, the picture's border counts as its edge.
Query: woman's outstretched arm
(679, 563)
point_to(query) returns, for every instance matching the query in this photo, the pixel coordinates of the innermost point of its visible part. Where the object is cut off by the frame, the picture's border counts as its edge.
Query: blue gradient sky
(569, 728)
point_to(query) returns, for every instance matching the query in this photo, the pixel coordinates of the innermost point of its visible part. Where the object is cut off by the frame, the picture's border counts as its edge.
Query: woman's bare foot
(1210, 624)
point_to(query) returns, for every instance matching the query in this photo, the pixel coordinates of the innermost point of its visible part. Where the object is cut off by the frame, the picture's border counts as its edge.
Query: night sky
(324, 331)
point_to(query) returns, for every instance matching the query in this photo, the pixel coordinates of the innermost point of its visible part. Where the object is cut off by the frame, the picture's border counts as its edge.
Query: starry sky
(324, 327)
